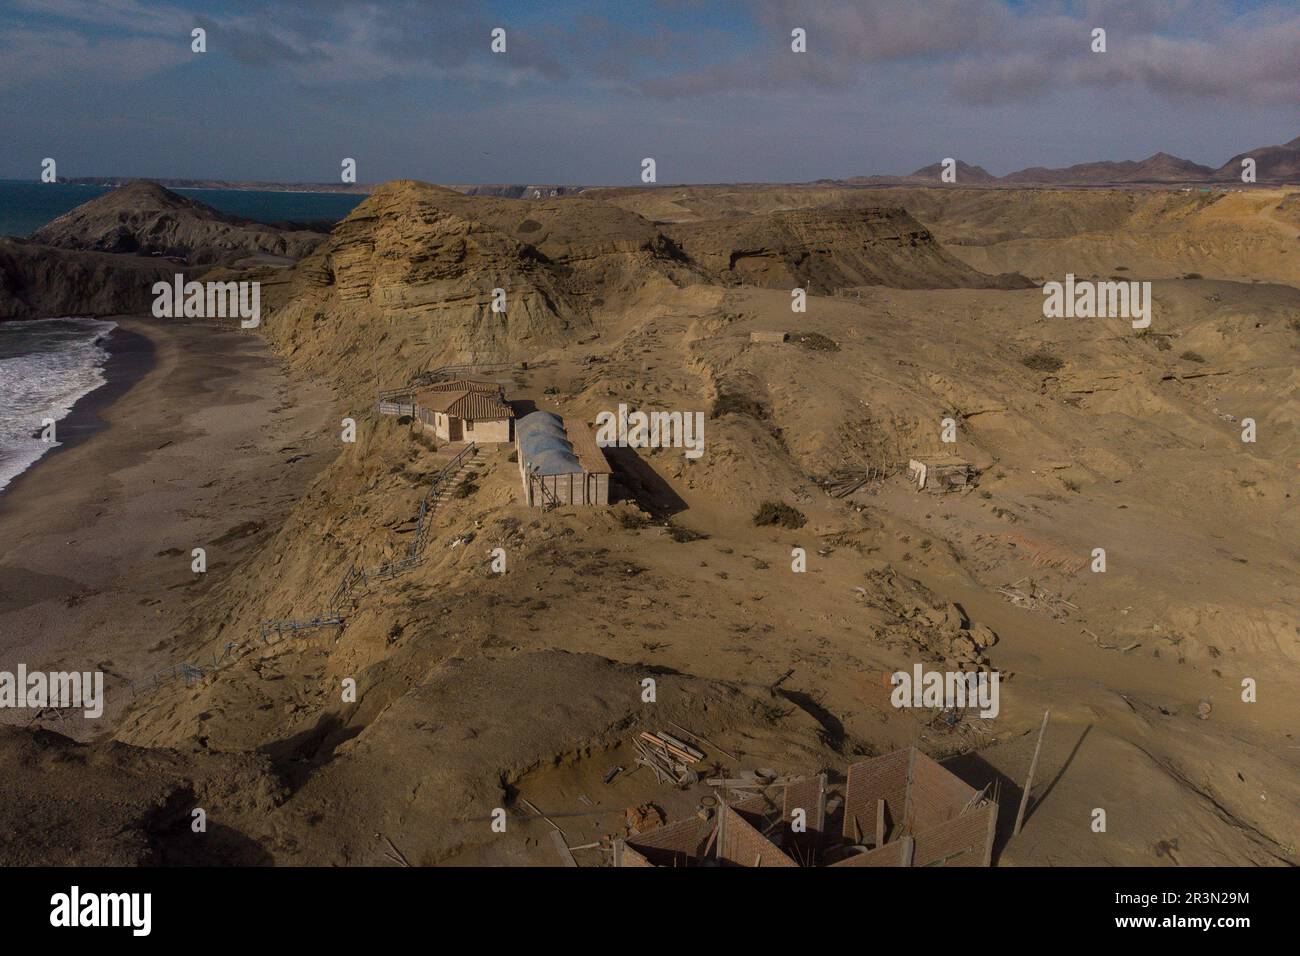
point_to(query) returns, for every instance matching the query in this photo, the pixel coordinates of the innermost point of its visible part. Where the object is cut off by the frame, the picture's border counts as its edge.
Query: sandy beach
(198, 439)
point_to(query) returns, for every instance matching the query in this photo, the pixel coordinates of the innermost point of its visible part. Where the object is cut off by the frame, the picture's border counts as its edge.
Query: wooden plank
(562, 848)
(1029, 779)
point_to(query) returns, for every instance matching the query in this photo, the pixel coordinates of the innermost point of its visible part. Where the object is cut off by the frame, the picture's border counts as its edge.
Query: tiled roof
(474, 406)
(466, 384)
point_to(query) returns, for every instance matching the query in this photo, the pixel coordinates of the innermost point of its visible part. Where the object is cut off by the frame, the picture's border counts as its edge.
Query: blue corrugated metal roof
(553, 463)
(545, 447)
(538, 442)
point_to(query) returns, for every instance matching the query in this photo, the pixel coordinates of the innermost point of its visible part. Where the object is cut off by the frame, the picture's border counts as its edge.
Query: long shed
(560, 462)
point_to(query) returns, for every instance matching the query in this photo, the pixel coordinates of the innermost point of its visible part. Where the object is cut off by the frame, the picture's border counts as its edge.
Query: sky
(586, 90)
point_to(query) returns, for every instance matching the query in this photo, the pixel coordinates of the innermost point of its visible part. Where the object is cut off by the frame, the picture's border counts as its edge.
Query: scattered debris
(844, 483)
(939, 474)
(668, 758)
(1033, 597)
(643, 818)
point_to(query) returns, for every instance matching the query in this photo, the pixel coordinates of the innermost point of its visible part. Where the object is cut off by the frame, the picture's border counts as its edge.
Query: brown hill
(1273, 164)
(408, 279)
(967, 175)
(38, 281)
(1160, 168)
(146, 219)
(828, 248)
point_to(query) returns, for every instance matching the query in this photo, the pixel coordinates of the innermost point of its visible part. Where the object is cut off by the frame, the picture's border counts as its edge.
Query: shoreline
(184, 442)
(131, 357)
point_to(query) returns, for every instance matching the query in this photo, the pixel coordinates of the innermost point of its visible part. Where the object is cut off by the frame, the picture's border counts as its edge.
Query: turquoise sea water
(25, 205)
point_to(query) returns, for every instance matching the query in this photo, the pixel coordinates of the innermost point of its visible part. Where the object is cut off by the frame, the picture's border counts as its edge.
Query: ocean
(46, 365)
(26, 205)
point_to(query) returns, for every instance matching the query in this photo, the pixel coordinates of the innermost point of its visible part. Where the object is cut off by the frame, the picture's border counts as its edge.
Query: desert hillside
(478, 689)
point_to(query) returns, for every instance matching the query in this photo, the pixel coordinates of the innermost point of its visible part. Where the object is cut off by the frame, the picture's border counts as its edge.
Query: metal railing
(388, 397)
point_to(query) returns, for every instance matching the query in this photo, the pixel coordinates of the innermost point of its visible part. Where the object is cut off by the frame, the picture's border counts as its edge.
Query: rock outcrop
(826, 248)
(409, 278)
(143, 218)
(38, 281)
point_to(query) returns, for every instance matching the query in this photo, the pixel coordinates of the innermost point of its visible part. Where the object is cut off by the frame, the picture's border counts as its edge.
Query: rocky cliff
(408, 279)
(826, 248)
(145, 219)
(38, 281)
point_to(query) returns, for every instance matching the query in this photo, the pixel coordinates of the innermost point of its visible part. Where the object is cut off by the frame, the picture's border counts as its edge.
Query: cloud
(987, 52)
(54, 57)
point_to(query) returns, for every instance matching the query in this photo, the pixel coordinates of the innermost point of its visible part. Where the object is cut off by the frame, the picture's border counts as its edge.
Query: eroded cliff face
(39, 281)
(407, 282)
(829, 248)
(143, 218)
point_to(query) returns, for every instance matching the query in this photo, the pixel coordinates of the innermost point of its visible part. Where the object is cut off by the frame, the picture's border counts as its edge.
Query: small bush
(815, 341)
(778, 513)
(1190, 356)
(1192, 275)
(728, 402)
(1042, 362)
(631, 520)
(683, 535)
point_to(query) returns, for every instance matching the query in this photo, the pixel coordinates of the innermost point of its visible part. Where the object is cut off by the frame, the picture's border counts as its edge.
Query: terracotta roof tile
(462, 403)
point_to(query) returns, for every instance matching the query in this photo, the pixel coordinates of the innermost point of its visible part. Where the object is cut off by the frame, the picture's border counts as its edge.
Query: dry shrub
(780, 514)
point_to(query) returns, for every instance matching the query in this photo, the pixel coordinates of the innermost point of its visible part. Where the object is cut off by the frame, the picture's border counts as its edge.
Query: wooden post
(907, 793)
(991, 834)
(1029, 779)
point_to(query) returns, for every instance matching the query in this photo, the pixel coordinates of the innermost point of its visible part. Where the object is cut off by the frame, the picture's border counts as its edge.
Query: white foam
(46, 366)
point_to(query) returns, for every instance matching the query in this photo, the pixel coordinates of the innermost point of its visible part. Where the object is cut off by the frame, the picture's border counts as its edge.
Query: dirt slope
(478, 689)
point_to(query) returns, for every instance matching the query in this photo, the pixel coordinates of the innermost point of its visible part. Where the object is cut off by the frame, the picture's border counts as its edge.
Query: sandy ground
(478, 690)
(209, 448)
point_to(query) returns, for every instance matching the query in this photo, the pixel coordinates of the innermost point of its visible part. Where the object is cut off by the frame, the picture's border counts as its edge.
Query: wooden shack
(939, 474)
(560, 462)
(902, 809)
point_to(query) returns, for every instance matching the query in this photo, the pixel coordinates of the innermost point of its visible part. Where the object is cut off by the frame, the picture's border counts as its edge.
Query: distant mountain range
(115, 181)
(1273, 164)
